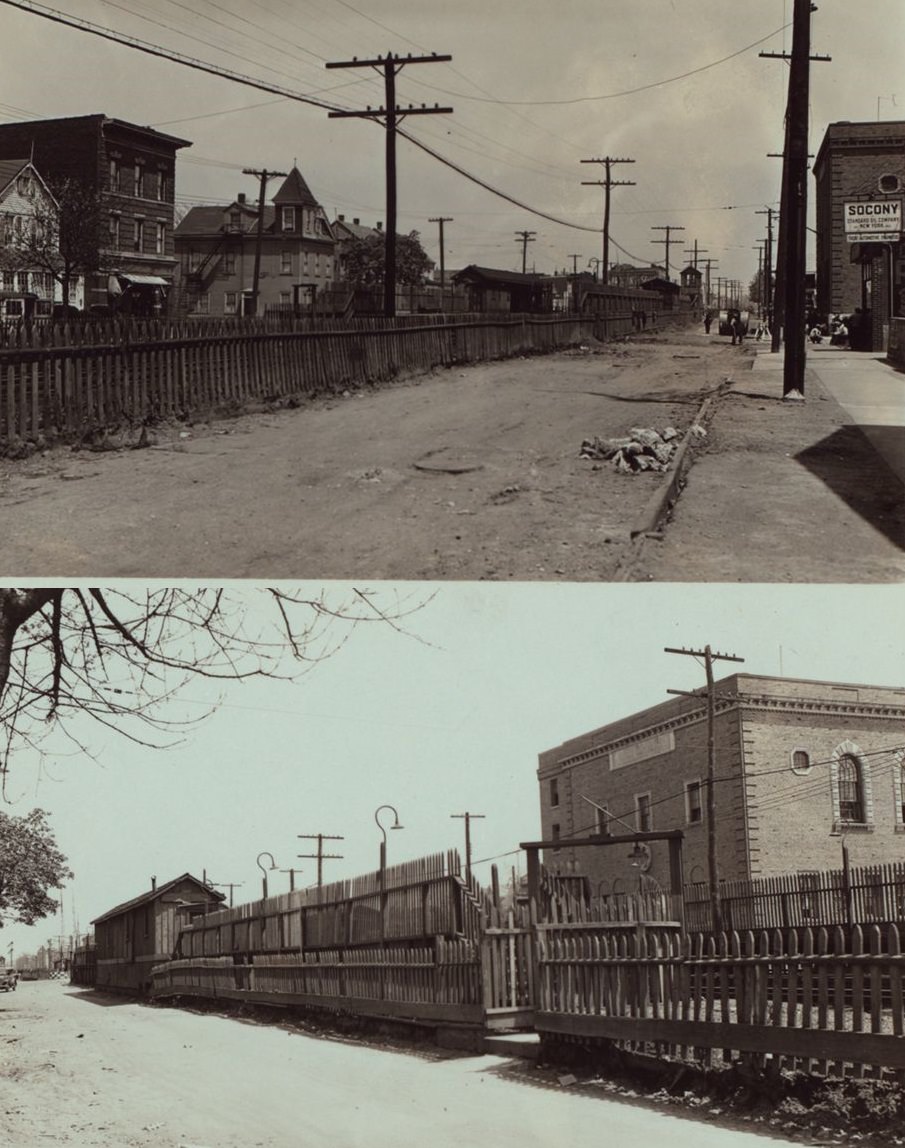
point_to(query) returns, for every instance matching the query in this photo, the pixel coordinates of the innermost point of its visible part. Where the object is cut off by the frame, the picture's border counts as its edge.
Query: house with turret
(233, 261)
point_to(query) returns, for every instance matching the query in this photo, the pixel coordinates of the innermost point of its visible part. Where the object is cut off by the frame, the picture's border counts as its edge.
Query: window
(694, 811)
(114, 232)
(229, 263)
(554, 833)
(160, 239)
(643, 819)
(285, 262)
(851, 789)
(203, 304)
(115, 181)
(139, 235)
(235, 220)
(801, 761)
(554, 791)
(602, 820)
(231, 303)
(288, 217)
(285, 298)
(136, 176)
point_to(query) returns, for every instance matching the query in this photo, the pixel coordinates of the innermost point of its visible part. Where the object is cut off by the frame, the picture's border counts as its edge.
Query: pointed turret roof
(294, 192)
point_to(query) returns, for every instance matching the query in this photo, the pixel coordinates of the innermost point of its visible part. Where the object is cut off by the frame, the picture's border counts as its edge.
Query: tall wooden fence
(868, 894)
(808, 999)
(73, 380)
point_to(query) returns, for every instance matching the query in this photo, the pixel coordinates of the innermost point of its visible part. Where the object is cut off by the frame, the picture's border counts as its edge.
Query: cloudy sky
(446, 718)
(676, 85)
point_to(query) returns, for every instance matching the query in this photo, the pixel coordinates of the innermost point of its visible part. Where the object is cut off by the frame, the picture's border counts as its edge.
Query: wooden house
(138, 934)
(492, 290)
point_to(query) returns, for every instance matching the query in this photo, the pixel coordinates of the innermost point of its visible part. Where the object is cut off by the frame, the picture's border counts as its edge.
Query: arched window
(851, 789)
(902, 791)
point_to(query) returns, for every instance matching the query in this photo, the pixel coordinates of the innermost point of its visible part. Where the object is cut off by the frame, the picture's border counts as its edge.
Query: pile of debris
(643, 449)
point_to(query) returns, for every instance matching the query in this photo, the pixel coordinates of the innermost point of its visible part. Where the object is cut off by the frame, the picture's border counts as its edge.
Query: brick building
(863, 165)
(132, 168)
(796, 761)
(216, 249)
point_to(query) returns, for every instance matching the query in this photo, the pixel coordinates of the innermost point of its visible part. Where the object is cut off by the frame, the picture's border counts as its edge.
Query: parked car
(8, 980)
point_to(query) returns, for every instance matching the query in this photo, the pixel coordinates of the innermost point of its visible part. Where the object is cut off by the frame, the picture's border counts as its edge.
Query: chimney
(341, 218)
(356, 221)
(153, 884)
(379, 225)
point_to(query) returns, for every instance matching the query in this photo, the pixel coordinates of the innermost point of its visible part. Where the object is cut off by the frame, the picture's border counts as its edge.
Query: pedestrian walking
(708, 319)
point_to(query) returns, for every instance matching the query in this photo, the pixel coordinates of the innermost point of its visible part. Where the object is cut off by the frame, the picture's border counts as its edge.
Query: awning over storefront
(143, 280)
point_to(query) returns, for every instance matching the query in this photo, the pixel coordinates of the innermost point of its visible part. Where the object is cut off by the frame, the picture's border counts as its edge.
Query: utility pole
(760, 277)
(693, 252)
(606, 184)
(320, 855)
(441, 219)
(708, 263)
(391, 116)
(712, 864)
(228, 885)
(292, 873)
(669, 229)
(794, 202)
(574, 259)
(768, 274)
(263, 176)
(469, 817)
(526, 237)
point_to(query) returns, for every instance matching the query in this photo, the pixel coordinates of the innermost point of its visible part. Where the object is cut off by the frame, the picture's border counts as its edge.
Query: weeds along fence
(807, 999)
(868, 894)
(74, 380)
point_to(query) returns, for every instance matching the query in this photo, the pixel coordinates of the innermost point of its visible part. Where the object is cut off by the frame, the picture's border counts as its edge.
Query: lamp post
(383, 844)
(273, 865)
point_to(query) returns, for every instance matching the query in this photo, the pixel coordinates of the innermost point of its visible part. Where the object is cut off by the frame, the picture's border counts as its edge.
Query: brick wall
(770, 819)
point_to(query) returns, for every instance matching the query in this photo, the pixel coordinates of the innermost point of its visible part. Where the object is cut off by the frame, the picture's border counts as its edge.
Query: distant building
(132, 169)
(690, 281)
(217, 246)
(860, 188)
(138, 934)
(490, 289)
(627, 275)
(26, 291)
(796, 762)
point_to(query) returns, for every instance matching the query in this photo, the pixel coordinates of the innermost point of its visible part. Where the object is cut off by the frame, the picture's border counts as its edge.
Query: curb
(660, 502)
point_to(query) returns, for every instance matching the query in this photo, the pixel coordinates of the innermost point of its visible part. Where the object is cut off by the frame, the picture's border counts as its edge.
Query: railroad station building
(859, 173)
(799, 767)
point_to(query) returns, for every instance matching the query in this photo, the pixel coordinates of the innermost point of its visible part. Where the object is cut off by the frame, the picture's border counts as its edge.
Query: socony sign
(875, 220)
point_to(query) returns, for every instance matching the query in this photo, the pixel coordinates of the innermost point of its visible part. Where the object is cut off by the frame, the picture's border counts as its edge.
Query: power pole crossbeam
(606, 184)
(669, 229)
(468, 818)
(320, 856)
(391, 115)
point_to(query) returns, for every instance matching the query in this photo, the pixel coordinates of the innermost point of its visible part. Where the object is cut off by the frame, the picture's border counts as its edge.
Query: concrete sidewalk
(785, 491)
(869, 390)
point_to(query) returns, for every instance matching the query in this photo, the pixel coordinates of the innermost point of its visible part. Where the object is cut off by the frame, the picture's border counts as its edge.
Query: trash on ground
(642, 449)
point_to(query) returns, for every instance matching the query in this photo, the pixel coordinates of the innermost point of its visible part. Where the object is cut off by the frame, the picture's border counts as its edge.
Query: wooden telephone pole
(392, 116)
(526, 237)
(713, 870)
(263, 176)
(320, 856)
(441, 219)
(794, 200)
(669, 229)
(468, 817)
(606, 184)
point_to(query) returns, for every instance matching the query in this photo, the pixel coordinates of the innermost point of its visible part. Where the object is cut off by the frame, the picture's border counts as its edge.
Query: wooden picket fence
(807, 999)
(79, 380)
(440, 981)
(864, 894)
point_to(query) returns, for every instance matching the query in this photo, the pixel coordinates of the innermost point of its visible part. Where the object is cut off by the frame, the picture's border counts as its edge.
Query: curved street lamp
(273, 865)
(383, 844)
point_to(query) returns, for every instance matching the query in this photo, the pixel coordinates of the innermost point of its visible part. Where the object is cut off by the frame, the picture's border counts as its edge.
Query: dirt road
(93, 1071)
(470, 473)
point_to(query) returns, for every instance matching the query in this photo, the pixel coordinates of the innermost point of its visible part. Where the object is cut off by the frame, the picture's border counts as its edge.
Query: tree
(364, 260)
(67, 238)
(30, 864)
(121, 657)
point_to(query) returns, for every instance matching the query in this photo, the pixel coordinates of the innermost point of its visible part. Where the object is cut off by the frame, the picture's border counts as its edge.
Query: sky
(535, 89)
(444, 716)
